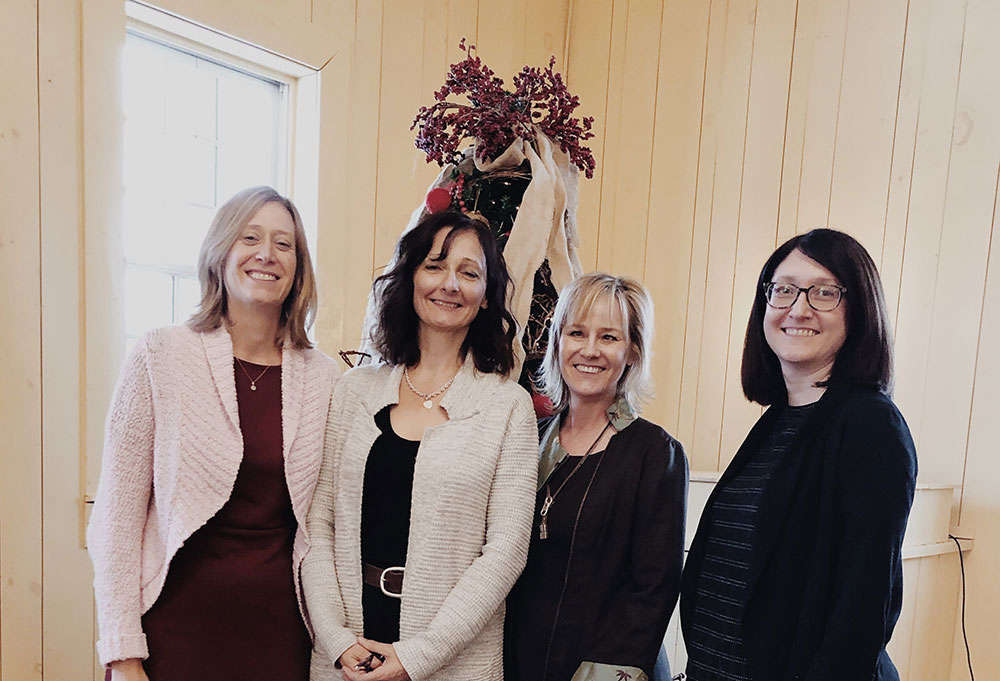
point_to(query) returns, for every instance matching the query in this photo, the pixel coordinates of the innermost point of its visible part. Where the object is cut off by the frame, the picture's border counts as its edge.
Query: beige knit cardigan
(172, 450)
(470, 524)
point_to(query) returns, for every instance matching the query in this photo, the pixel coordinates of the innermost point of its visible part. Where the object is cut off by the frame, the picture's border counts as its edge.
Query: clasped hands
(372, 661)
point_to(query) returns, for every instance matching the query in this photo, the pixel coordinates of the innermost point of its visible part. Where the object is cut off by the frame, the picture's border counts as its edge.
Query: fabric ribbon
(545, 226)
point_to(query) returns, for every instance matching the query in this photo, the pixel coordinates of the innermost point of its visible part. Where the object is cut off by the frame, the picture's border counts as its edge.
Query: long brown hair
(491, 335)
(299, 308)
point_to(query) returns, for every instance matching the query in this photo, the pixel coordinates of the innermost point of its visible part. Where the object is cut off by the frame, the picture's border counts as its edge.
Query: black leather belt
(389, 580)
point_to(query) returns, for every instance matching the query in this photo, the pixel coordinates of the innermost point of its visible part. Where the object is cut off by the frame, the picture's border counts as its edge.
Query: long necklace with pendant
(253, 381)
(428, 398)
(543, 527)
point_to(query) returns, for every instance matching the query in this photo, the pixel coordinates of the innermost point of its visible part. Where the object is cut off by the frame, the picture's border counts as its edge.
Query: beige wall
(723, 128)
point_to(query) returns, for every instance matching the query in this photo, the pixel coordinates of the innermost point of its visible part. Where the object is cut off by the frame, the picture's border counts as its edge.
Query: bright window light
(196, 132)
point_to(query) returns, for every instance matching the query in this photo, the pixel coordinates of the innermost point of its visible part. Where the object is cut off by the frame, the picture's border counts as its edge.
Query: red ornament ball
(542, 404)
(438, 200)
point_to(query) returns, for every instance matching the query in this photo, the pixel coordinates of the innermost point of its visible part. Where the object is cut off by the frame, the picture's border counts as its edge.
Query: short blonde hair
(576, 301)
(299, 307)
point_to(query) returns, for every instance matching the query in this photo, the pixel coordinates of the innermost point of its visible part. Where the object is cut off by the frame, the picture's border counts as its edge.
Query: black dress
(385, 522)
(228, 608)
(608, 599)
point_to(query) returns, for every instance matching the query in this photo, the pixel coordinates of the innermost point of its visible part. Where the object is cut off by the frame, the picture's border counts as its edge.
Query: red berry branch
(495, 117)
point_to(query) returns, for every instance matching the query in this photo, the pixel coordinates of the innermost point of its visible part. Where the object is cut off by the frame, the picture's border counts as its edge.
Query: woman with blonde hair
(604, 566)
(212, 449)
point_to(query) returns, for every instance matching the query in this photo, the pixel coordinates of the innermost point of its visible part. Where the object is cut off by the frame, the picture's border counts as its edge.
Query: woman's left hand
(391, 669)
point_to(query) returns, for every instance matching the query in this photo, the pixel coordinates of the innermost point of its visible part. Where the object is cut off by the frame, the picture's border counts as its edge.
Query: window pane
(148, 300)
(187, 295)
(195, 132)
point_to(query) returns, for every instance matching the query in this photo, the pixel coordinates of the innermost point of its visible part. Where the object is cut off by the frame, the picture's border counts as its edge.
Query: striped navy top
(715, 646)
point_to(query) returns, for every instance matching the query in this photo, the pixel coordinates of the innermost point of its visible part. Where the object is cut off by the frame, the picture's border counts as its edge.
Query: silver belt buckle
(381, 581)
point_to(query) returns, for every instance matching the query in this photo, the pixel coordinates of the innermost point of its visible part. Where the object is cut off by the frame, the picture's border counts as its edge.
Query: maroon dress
(228, 608)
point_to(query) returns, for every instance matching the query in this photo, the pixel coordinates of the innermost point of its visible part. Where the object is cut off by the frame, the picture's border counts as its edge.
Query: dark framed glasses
(821, 297)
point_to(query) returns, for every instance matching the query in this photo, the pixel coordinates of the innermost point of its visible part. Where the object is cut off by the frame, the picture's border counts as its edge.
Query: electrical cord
(965, 636)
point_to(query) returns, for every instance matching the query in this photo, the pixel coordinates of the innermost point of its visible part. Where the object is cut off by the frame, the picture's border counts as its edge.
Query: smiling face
(449, 292)
(260, 267)
(806, 341)
(593, 351)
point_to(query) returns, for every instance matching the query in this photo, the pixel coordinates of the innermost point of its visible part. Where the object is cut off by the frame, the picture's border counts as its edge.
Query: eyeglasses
(821, 297)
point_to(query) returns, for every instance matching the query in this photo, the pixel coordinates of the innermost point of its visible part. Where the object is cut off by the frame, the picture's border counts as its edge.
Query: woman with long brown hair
(212, 450)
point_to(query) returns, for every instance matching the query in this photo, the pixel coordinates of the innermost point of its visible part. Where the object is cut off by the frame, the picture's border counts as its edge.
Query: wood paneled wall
(726, 127)
(373, 175)
(723, 127)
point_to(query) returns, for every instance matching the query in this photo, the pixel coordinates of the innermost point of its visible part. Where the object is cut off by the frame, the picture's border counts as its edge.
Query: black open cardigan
(826, 579)
(625, 573)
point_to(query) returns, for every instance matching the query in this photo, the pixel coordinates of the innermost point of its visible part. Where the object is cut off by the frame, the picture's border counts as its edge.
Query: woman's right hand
(128, 670)
(354, 655)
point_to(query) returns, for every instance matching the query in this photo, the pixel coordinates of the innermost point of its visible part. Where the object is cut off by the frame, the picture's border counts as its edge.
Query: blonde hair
(299, 307)
(575, 302)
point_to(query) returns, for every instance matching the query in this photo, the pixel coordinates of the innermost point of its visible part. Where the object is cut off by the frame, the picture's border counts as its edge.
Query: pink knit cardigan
(172, 450)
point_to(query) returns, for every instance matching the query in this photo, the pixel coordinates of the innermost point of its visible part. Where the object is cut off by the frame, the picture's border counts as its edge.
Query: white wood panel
(934, 618)
(963, 248)
(627, 156)
(103, 31)
(726, 165)
(910, 92)
(672, 191)
(402, 174)
(67, 577)
(20, 402)
(813, 108)
(587, 75)
(872, 55)
(758, 200)
(925, 207)
(980, 509)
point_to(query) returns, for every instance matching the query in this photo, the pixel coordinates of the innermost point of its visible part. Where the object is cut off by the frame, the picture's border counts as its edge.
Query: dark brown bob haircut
(866, 356)
(490, 338)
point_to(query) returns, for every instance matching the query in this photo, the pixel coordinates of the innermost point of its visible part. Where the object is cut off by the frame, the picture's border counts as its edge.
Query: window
(204, 117)
(196, 131)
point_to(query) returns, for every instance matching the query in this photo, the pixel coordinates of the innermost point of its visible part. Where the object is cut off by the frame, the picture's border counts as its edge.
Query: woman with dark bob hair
(795, 571)
(422, 514)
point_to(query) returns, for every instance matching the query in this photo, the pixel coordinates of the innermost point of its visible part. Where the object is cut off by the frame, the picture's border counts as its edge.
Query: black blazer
(624, 576)
(826, 578)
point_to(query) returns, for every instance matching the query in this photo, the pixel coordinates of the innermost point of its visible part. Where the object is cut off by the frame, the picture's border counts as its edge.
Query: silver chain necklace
(550, 496)
(428, 398)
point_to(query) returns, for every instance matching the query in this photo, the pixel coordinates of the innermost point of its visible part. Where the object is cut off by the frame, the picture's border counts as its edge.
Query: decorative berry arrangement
(495, 117)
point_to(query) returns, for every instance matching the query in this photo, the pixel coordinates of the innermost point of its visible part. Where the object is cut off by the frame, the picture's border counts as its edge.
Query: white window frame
(301, 182)
(299, 169)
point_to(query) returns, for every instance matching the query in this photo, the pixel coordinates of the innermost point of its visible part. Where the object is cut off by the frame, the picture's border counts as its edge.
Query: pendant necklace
(253, 381)
(543, 528)
(428, 398)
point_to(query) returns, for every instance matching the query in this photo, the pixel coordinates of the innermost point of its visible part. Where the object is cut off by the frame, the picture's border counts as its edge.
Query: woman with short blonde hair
(604, 563)
(636, 309)
(212, 449)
